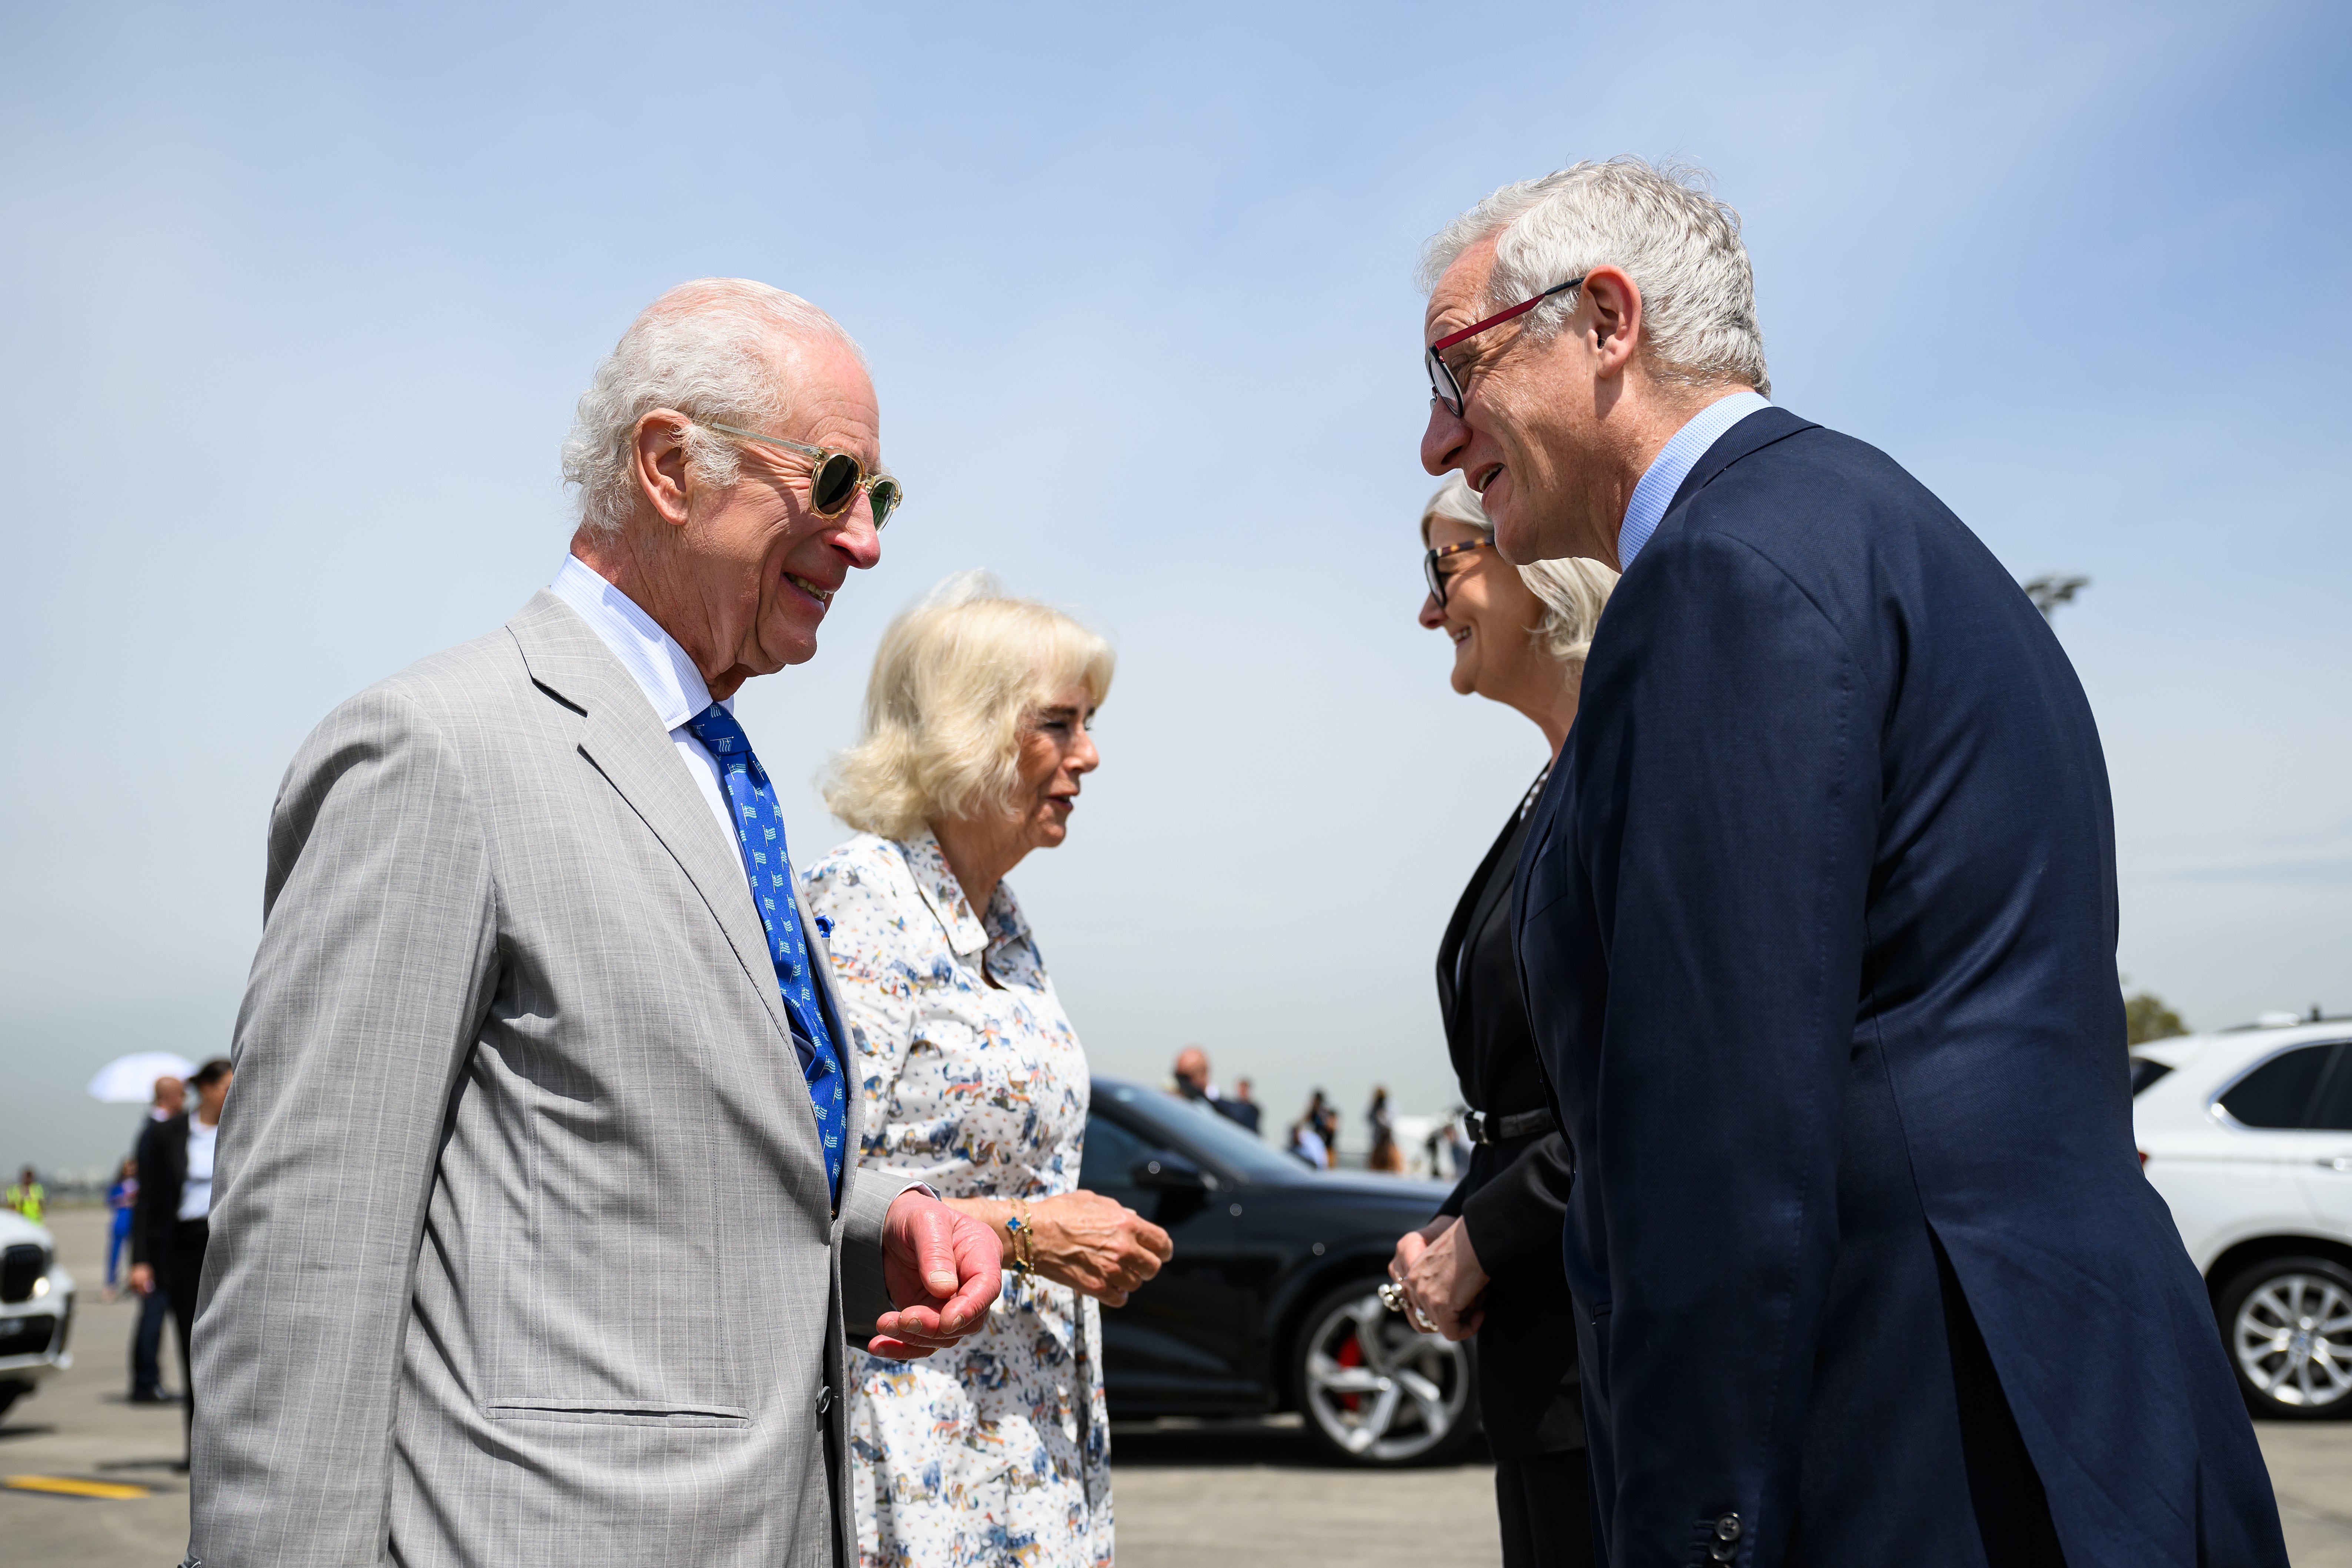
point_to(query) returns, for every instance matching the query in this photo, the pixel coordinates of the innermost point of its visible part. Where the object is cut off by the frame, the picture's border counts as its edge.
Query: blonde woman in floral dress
(997, 1451)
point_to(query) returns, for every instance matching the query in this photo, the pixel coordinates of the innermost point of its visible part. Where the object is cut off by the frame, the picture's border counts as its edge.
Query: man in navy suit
(1817, 922)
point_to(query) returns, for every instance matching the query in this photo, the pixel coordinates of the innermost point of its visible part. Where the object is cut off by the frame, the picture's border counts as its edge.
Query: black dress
(1513, 1198)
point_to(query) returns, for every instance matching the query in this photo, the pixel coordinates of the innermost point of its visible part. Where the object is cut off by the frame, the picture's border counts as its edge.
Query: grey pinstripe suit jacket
(521, 1250)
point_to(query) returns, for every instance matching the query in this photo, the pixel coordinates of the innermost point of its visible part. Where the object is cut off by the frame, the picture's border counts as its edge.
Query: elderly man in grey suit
(539, 1224)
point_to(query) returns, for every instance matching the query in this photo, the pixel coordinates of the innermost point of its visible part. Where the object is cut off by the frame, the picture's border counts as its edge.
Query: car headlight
(40, 1287)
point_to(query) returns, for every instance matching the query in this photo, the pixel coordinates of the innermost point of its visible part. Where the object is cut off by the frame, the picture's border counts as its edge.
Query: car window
(2278, 1093)
(1192, 1123)
(2334, 1111)
(2146, 1071)
(1110, 1154)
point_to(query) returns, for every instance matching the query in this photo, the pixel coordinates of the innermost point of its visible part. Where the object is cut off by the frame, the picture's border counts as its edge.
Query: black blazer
(1515, 1195)
(1817, 923)
(162, 1156)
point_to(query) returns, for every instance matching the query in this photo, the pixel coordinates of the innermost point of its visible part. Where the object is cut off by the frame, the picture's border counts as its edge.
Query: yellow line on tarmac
(69, 1486)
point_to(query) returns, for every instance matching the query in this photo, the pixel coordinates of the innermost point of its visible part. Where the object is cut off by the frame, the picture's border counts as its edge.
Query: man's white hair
(1679, 245)
(705, 349)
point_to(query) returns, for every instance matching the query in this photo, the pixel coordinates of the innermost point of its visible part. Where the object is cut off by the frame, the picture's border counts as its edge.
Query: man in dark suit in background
(155, 1305)
(1816, 926)
(173, 1219)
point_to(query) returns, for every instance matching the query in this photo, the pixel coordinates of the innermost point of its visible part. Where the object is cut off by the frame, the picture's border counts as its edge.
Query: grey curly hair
(1680, 245)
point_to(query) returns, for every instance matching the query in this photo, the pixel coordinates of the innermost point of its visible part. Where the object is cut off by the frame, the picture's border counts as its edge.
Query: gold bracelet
(1024, 1232)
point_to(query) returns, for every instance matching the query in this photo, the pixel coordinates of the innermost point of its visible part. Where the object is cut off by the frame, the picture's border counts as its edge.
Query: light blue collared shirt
(1673, 465)
(663, 671)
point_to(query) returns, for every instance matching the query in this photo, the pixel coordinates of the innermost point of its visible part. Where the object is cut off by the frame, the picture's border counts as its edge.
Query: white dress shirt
(1673, 465)
(664, 673)
(196, 1193)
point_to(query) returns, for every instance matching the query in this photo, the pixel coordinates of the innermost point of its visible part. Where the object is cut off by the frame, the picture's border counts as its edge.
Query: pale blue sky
(294, 305)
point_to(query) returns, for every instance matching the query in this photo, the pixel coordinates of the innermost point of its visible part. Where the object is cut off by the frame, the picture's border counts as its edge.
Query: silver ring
(1393, 1298)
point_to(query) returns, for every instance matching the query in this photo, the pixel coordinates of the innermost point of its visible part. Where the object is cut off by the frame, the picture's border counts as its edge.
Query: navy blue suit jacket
(1817, 926)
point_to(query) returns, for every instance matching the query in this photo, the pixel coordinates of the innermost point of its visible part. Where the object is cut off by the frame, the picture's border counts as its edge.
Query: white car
(37, 1298)
(2248, 1135)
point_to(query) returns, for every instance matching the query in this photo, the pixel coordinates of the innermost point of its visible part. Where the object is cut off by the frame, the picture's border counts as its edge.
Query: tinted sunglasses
(835, 479)
(1438, 580)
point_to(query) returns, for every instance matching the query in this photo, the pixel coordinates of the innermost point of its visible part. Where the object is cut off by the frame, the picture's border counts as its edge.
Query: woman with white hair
(975, 743)
(1489, 1263)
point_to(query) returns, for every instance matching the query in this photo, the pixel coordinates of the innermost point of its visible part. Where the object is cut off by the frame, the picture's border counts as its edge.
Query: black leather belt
(1485, 1129)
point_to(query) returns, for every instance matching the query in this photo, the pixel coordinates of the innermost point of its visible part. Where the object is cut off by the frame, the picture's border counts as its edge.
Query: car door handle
(2341, 1162)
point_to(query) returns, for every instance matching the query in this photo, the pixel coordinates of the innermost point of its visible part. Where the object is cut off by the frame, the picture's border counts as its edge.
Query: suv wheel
(1376, 1392)
(2288, 1325)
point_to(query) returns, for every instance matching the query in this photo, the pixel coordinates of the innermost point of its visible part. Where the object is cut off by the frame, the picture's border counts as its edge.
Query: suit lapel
(622, 736)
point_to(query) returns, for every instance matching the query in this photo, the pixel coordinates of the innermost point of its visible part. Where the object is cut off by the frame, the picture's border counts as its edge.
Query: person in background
(1489, 1263)
(1193, 1082)
(1385, 1155)
(121, 1200)
(155, 1305)
(173, 1227)
(1306, 1140)
(1242, 1105)
(27, 1195)
(976, 742)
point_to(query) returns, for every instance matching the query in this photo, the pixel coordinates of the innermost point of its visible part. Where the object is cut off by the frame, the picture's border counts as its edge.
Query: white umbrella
(131, 1080)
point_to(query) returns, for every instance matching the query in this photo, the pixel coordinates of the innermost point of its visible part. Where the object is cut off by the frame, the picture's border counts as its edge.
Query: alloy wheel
(1376, 1391)
(2293, 1336)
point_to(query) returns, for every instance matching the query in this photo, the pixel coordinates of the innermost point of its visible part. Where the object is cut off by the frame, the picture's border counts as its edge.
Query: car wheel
(1374, 1392)
(2287, 1322)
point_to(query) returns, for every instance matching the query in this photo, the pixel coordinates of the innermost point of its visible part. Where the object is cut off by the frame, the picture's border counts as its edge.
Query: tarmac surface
(1228, 1495)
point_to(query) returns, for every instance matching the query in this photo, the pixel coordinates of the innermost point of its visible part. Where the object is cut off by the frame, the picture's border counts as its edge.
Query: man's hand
(1442, 1283)
(940, 1268)
(143, 1278)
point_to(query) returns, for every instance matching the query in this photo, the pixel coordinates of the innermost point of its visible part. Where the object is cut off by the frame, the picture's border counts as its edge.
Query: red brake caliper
(1350, 1355)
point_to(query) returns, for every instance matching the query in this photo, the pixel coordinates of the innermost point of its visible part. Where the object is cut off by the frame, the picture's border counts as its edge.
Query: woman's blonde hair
(954, 680)
(1572, 591)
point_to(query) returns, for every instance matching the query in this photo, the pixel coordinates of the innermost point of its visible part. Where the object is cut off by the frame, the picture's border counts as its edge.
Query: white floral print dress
(997, 1451)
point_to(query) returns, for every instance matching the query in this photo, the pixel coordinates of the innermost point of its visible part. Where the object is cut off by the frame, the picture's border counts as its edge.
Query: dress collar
(936, 880)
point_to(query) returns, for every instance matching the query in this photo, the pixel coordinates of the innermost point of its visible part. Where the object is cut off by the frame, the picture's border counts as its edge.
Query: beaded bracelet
(1024, 1232)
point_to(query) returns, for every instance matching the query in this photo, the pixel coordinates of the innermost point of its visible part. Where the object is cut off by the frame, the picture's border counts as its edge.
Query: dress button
(824, 1399)
(1727, 1527)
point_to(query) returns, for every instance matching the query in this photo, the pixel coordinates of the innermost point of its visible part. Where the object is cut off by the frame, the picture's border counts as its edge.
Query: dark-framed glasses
(834, 478)
(1442, 385)
(1435, 554)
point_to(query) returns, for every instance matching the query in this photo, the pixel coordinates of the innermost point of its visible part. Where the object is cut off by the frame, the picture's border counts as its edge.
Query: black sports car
(1271, 1301)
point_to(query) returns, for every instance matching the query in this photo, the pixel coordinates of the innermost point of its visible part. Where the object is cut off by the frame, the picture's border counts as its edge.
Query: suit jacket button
(824, 1399)
(1727, 1528)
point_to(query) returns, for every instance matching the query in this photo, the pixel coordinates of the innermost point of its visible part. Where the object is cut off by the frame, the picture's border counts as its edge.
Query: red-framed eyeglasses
(1442, 385)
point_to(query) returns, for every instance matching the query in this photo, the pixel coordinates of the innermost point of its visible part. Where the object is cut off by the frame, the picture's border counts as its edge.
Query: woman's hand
(1442, 1278)
(1096, 1246)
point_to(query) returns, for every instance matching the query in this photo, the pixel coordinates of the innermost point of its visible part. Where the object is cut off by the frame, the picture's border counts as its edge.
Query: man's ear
(1614, 321)
(658, 454)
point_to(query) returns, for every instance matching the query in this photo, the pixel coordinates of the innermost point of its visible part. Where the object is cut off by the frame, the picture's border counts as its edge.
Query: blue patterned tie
(760, 829)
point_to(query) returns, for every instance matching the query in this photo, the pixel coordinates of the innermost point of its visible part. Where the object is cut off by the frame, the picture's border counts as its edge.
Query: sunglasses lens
(884, 497)
(834, 484)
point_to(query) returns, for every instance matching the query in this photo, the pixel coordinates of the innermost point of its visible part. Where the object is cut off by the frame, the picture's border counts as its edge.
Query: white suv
(2248, 1135)
(35, 1307)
